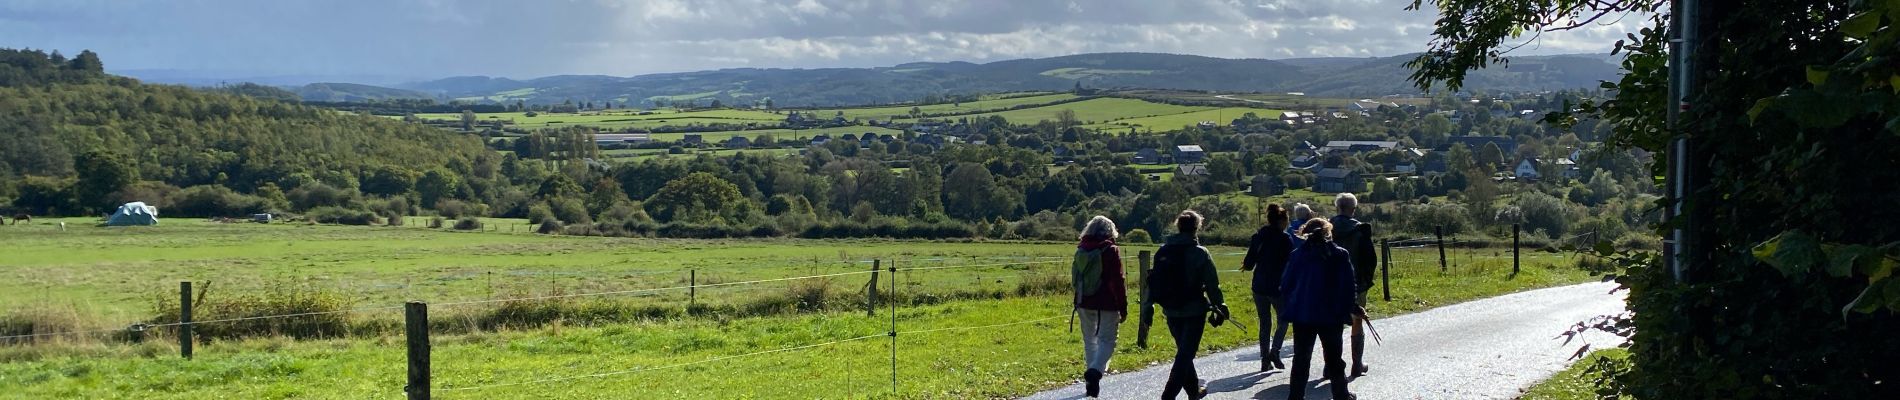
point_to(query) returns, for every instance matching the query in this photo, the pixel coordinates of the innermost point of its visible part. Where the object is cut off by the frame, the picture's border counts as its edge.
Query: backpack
(1087, 272)
(1170, 284)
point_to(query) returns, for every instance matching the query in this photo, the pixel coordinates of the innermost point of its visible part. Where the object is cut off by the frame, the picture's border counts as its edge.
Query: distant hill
(1343, 77)
(353, 92)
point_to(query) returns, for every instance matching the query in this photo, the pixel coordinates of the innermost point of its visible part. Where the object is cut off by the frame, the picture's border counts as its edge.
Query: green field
(642, 154)
(1220, 116)
(621, 119)
(1577, 382)
(835, 132)
(885, 113)
(1099, 110)
(112, 276)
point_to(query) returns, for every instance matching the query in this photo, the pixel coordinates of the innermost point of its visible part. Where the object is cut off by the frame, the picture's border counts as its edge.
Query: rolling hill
(1338, 77)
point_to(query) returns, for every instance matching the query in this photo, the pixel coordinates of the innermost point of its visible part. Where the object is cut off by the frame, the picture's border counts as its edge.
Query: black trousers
(1270, 337)
(1187, 340)
(1328, 336)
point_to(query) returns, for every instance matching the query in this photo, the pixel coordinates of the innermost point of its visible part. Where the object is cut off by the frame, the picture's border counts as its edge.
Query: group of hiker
(1313, 273)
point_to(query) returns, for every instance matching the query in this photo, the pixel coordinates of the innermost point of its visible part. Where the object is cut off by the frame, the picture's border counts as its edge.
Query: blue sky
(525, 39)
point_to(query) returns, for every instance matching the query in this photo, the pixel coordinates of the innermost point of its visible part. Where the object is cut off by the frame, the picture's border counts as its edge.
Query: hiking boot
(1199, 391)
(1093, 382)
(1360, 370)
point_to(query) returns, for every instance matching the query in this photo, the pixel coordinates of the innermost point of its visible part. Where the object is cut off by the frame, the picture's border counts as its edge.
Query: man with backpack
(1356, 238)
(1187, 286)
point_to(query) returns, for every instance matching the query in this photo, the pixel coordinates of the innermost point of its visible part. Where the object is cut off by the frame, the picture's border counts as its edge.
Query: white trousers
(1098, 336)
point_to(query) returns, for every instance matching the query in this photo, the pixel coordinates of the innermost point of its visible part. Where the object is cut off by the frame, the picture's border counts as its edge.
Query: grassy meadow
(950, 346)
(983, 105)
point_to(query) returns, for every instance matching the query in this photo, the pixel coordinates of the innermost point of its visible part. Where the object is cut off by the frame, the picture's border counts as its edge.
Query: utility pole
(1683, 38)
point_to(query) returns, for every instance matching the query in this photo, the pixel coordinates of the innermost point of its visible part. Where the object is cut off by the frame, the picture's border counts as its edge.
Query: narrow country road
(1484, 349)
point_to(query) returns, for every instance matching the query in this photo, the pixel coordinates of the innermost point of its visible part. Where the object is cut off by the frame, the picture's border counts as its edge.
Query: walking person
(1186, 285)
(1101, 297)
(1318, 288)
(1356, 238)
(1301, 213)
(1266, 256)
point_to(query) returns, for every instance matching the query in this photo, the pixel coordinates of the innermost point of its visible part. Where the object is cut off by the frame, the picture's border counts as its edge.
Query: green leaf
(1859, 26)
(1764, 103)
(1791, 252)
(1866, 302)
(1817, 76)
(1881, 269)
(1841, 260)
(1893, 82)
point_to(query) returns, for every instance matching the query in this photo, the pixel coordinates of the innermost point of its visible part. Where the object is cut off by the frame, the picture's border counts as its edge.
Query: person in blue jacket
(1319, 289)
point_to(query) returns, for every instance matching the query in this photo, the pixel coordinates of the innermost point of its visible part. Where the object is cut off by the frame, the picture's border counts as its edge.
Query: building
(1147, 156)
(1191, 170)
(1358, 146)
(1265, 185)
(692, 139)
(738, 142)
(1188, 154)
(820, 140)
(1337, 180)
(1527, 169)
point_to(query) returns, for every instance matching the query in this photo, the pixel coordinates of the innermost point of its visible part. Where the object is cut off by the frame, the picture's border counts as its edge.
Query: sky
(417, 39)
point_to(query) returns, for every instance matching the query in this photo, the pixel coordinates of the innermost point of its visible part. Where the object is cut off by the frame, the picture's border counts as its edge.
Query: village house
(1358, 146)
(1191, 170)
(1147, 156)
(692, 139)
(1527, 169)
(1186, 154)
(1337, 180)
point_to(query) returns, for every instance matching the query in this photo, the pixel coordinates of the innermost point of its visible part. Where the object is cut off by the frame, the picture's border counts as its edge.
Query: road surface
(1486, 349)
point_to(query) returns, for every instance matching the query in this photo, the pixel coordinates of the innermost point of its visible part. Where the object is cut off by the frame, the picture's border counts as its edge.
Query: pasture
(979, 106)
(623, 119)
(1009, 342)
(1220, 116)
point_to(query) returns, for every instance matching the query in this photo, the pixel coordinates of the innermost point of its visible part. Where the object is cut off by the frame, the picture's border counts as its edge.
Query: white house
(1527, 169)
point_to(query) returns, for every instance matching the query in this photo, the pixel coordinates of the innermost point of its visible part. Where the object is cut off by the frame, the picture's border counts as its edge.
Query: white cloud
(626, 37)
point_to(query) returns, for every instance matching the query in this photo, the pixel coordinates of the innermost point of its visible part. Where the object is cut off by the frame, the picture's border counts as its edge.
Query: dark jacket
(1356, 238)
(1113, 295)
(1318, 285)
(1198, 262)
(1293, 232)
(1267, 253)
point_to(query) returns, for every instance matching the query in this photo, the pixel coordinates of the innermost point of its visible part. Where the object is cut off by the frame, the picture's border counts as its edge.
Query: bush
(436, 222)
(331, 323)
(549, 227)
(454, 209)
(395, 219)
(468, 224)
(213, 201)
(540, 213)
(314, 195)
(570, 211)
(339, 215)
(1138, 236)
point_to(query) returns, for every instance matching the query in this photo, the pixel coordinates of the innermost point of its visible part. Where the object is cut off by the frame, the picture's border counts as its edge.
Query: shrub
(339, 215)
(314, 195)
(468, 224)
(540, 213)
(436, 222)
(1138, 236)
(570, 211)
(549, 227)
(213, 201)
(394, 219)
(327, 320)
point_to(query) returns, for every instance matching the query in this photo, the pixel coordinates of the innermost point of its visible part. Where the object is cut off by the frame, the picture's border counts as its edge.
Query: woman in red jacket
(1101, 297)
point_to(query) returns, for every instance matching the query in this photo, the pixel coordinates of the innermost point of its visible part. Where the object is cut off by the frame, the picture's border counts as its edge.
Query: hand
(1245, 268)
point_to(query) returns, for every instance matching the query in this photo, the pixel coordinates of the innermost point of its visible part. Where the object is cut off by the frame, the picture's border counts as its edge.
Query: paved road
(1485, 349)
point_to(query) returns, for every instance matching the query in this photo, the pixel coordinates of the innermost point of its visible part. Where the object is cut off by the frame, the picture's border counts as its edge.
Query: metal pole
(692, 290)
(893, 291)
(184, 319)
(1385, 270)
(416, 327)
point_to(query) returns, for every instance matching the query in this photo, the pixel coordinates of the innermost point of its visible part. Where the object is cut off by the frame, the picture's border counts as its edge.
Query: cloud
(434, 38)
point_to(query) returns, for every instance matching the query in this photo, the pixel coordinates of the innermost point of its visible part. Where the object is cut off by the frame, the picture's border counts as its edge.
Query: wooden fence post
(1147, 309)
(692, 290)
(416, 326)
(1385, 269)
(184, 319)
(1440, 232)
(1514, 249)
(870, 292)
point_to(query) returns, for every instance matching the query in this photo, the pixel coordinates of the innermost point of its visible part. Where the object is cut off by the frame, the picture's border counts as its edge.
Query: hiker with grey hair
(1187, 286)
(1101, 297)
(1301, 213)
(1356, 238)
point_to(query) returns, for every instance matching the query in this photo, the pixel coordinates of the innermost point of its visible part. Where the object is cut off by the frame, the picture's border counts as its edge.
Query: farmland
(903, 111)
(624, 119)
(111, 276)
(1170, 122)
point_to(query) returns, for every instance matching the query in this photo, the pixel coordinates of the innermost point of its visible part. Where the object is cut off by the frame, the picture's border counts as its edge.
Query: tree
(1816, 122)
(698, 197)
(388, 180)
(468, 120)
(915, 112)
(435, 185)
(87, 61)
(44, 196)
(100, 175)
(1436, 129)
(605, 195)
(968, 192)
(1489, 157)
(1066, 118)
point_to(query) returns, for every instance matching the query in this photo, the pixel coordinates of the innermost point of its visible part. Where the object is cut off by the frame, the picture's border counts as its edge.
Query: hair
(1188, 223)
(1317, 226)
(1302, 212)
(1099, 227)
(1346, 203)
(1276, 216)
